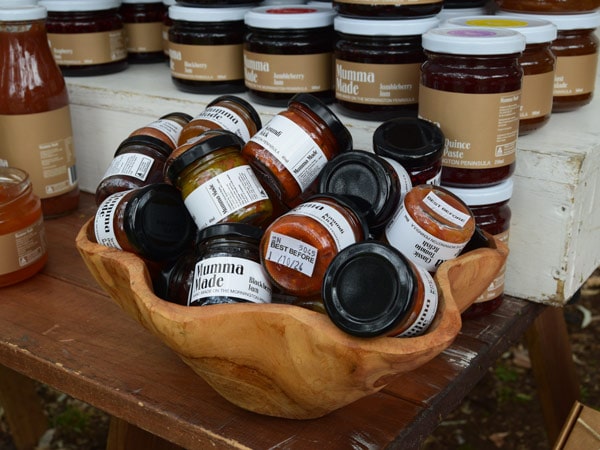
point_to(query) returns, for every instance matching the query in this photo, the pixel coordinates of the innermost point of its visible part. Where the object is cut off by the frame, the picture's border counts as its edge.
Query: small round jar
(387, 9)
(431, 226)
(86, 37)
(216, 181)
(22, 237)
(548, 6)
(475, 74)
(371, 289)
(288, 50)
(375, 184)
(205, 49)
(298, 246)
(293, 147)
(378, 65)
(143, 22)
(227, 112)
(150, 221)
(538, 63)
(492, 214)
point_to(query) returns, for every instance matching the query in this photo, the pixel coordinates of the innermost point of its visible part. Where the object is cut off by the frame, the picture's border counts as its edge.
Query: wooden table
(61, 329)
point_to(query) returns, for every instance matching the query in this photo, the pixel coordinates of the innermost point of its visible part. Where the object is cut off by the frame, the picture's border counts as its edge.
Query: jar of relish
(143, 22)
(476, 75)
(388, 9)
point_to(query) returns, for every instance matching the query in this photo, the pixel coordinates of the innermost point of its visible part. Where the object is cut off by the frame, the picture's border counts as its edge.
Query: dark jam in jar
(548, 6)
(86, 37)
(473, 73)
(289, 50)
(377, 66)
(382, 9)
(143, 22)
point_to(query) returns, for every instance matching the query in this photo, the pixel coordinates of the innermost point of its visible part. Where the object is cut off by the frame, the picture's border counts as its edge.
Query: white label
(336, 224)
(226, 119)
(225, 276)
(418, 245)
(170, 128)
(445, 210)
(103, 221)
(292, 253)
(403, 175)
(293, 148)
(436, 180)
(131, 165)
(430, 305)
(223, 195)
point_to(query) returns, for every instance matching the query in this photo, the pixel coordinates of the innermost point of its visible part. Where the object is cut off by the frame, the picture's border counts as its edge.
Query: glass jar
(416, 144)
(371, 289)
(548, 6)
(378, 65)
(288, 50)
(298, 246)
(35, 112)
(22, 238)
(387, 9)
(227, 112)
(475, 74)
(143, 22)
(492, 214)
(86, 37)
(166, 26)
(431, 226)
(205, 49)
(289, 152)
(150, 221)
(216, 181)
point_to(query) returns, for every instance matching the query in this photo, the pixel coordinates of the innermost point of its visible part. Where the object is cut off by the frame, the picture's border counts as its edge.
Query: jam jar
(291, 149)
(490, 207)
(86, 37)
(150, 221)
(216, 181)
(548, 6)
(288, 50)
(371, 289)
(476, 75)
(416, 144)
(205, 49)
(378, 65)
(431, 226)
(22, 237)
(387, 9)
(538, 63)
(143, 22)
(298, 246)
(228, 112)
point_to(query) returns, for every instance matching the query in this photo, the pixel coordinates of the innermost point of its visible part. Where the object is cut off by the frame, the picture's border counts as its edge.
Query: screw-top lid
(14, 13)
(144, 141)
(473, 41)
(208, 14)
(79, 5)
(247, 106)
(231, 229)
(489, 195)
(403, 27)
(290, 16)
(585, 21)
(368, 289)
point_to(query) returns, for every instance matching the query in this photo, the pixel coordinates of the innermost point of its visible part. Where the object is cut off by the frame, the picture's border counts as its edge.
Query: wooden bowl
(284, 360)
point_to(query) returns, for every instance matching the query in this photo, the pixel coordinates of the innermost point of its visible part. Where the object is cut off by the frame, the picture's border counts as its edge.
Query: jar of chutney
(143, 22)
(476, 75)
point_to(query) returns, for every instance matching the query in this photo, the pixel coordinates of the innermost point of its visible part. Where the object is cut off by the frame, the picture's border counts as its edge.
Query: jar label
(42, 145)
(391, 2)
(84, 49)
(143, 37)
(293, 148)
(403, 175)
(575, 75)
(496, 287)
(223, 195)
(169, 128)
(445, 210)
(22, 248)
(288, 73)
(227, 119)
(104, 228)
(228, 276)
(291, 253)
(377, 84)
(429, 308)
(130, 164)
(331, 219)
(206, 62)
(481, 129)
(536, 95)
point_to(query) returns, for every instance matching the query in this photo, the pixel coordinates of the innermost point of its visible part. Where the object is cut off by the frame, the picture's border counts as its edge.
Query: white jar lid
(21, 13)
(365, 27)
(585, 21)
(535, 30)
(197, 14)
(473, 41)
(449, 13)
(16, 3)
(290, 16)
(79, 5)
(489, 195)
(141, 1)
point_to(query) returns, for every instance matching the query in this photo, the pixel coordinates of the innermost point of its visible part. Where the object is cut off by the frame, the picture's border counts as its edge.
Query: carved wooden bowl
(284, 360)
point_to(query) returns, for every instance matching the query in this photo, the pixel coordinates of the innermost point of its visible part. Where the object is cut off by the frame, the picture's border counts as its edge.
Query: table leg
(125, 436)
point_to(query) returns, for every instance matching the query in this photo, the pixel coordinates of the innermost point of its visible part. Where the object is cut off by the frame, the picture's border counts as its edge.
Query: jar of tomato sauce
(22, 238)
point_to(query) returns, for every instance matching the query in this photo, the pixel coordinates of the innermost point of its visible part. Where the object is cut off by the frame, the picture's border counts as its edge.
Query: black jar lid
(412, 141)
(243, 103)
(368, 289)
(231, 229)
(157, 222)
(336, 126)
(144, 141)
(367, 179)
(208, 142)
(362, 213)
